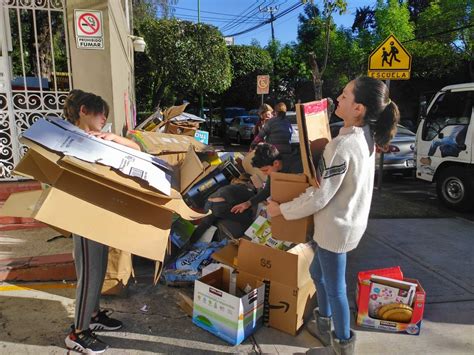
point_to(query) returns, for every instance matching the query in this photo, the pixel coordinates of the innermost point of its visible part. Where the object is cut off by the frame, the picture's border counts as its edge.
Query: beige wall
(106, 72)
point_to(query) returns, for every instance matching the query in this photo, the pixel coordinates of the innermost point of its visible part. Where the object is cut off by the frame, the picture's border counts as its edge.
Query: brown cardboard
(131, 224)
(284, 188)
(292, 291)
(156, 143)
(314, 134)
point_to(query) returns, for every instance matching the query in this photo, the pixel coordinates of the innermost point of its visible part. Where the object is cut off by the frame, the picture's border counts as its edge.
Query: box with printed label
(385, 301)
(292, 293)
(231, 317)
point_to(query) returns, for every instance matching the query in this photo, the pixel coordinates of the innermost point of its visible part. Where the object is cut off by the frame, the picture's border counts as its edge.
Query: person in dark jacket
(269, 160)
(276, 131)
(265, 112)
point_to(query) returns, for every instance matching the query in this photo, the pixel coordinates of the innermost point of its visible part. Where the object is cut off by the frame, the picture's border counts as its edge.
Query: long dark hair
(382, 113)
(92, 103)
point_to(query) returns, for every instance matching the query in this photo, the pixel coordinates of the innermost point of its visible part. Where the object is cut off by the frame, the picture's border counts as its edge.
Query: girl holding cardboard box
(89, 112)
(342, 202)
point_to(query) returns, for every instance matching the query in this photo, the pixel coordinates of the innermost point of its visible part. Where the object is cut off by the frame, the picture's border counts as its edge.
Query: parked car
(400, 157)
(295, 139)
(241, 128)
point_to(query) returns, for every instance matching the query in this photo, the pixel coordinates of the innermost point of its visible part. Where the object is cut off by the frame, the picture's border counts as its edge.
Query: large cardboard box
(292, 294)
(363, 293)
(284, 188)
(227, 315)
(314, 134)
(97, 201)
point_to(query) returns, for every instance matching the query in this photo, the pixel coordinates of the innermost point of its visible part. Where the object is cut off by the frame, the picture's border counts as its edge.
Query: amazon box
(291, 291)
(99, 201)
(229, 307)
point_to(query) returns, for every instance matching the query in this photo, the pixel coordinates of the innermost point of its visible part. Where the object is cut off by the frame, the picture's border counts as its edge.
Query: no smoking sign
(88, 26)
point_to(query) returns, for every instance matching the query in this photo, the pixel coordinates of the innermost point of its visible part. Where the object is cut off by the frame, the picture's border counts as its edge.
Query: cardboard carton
(222, 312)
(364, 319)
(156, 143)
(291, 289)
(260, 232)
(314, 134)
(97, 201)
(284, 188)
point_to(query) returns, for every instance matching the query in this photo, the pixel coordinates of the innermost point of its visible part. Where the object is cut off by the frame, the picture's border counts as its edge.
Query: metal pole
(199, 11)
(262, 98)
(272, 18)
(380, 177)
(201, 99)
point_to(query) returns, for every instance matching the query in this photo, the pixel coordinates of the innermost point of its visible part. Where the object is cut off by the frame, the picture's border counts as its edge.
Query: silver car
(241, 128)
(400, 157)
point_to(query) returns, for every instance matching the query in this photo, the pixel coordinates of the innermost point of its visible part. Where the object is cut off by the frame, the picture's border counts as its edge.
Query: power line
(248, 12)
(439, 33)
(263, 23)
(210, 19)
(214, 13)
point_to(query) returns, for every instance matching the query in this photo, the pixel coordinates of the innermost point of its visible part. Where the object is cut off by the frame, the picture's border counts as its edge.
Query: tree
(247, 62)
(321, 27)
(182, 56)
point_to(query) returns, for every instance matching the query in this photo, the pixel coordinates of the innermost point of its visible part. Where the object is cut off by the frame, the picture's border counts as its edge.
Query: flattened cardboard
(163, 143)
(61, 136)
(314, 134)
(131, 224)
(284, 188)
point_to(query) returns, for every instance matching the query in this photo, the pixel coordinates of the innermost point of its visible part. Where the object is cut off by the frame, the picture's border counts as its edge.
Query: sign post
(88, 27)
(390, 61)
(263, 85)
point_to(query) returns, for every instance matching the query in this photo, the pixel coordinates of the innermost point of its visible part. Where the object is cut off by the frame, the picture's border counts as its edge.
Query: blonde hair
(264, 108)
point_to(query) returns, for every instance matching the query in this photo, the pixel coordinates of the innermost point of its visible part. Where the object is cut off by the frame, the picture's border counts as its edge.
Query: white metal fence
(35, 73)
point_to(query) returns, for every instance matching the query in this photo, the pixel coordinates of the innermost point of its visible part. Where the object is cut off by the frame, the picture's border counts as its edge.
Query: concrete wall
(106, 72)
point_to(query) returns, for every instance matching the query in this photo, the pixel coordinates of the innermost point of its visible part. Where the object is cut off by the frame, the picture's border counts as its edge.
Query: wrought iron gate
(34, 70)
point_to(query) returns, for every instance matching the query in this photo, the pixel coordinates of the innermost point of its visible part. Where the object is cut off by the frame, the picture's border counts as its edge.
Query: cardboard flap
(174, 111)
(289, 177)
(286, 187)
(305, 253)
(120, 222)
(157, 143)
(268, 263)
(313, 125)
(22, 204)
(227, 255)
(191, 168)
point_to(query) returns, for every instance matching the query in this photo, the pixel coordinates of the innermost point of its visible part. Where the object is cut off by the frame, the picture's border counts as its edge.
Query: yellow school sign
(390, 61)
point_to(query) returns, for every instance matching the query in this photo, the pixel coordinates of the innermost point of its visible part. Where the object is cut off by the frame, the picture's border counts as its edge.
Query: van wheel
(455, 189)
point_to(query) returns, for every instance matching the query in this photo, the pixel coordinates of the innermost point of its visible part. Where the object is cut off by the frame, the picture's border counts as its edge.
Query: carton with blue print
(230, 305)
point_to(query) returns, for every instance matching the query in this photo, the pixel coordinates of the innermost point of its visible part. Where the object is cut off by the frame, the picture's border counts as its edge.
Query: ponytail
(381, 114)
(385, 127)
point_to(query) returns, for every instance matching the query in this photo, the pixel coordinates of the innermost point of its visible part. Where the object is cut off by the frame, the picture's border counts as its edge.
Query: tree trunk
(317, 82)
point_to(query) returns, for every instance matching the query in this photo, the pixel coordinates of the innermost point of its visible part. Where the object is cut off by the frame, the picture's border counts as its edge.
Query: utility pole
(271, 10)
(201, 99)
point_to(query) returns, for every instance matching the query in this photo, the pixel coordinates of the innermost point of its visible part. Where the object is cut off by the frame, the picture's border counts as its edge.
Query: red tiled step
(56, 267)
(7, 188)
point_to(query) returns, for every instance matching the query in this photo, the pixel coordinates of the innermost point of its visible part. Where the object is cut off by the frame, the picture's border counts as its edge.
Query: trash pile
(171, 203)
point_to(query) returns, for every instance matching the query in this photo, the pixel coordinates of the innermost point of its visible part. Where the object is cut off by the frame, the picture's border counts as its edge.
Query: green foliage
(247, 62)
(180, 57)
(393, 17)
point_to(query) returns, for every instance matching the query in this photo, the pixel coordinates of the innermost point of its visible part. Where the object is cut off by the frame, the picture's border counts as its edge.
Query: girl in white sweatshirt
(342, 202)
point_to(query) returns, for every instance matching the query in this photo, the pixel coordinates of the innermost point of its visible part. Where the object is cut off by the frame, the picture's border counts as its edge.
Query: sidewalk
(437, 252)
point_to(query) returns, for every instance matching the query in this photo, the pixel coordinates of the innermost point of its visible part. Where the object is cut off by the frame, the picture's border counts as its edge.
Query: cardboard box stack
(101, 190)
(388, 301)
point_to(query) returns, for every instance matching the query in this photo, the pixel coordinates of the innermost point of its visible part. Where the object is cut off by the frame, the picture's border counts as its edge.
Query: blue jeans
(328, 271)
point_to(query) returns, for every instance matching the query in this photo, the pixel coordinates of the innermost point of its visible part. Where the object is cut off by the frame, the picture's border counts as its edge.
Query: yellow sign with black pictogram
(390, 61)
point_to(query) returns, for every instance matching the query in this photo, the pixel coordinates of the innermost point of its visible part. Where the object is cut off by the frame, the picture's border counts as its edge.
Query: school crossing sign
(390, 61)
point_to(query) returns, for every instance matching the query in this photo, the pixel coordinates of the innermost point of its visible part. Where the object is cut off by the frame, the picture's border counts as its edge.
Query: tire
(455, 188)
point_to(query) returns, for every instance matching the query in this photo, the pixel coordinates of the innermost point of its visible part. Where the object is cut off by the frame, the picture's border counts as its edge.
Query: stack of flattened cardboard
(114, 206)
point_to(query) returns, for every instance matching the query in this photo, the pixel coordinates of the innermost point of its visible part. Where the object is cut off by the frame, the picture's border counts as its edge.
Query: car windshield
(403, 131)
(251, 119)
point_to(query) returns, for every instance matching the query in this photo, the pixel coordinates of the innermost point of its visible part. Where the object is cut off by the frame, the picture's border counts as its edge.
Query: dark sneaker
(85, 342)
(102, 321)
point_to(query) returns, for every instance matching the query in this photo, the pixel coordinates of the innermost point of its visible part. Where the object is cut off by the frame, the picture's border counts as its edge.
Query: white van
(444, 145)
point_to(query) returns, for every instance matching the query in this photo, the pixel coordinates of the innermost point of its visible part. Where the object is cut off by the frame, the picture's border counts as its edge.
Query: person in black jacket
(269, 160)
(276, 131)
